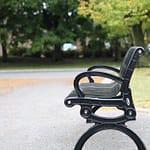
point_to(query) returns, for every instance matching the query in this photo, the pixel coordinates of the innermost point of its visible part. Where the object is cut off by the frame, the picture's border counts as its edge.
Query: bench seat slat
(98, 90)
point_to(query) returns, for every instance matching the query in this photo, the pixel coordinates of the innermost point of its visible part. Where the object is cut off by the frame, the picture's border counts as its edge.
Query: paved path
(33, 117)
(43, 73)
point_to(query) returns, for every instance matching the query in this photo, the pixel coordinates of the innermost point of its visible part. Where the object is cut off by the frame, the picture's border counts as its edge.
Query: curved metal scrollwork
(97, 128)
(92, 96)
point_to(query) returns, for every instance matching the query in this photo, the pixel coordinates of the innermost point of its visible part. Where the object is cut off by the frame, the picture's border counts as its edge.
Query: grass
(140, 85)
(39, 63)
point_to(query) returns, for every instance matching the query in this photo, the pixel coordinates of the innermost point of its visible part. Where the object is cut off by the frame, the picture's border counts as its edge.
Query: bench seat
(98, 90)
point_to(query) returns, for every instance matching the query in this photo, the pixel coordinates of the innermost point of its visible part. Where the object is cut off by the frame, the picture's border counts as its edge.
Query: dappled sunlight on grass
(140, 85)
(143, 103)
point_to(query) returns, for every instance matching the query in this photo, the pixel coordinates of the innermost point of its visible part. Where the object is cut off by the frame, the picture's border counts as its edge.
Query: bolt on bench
(92, 96)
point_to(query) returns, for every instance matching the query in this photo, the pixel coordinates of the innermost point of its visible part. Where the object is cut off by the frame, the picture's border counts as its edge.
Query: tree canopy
(119, 17)
(50, 23)
(45, 23)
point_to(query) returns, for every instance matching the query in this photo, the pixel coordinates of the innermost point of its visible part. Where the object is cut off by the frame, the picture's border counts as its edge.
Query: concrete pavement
(34, 117)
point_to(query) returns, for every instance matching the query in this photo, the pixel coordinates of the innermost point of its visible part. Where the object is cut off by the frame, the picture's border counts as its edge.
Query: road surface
(44, 73)
(33, 117)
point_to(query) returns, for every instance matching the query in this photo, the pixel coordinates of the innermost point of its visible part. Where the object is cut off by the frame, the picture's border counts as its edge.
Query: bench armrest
(104, 67)
(89, 74)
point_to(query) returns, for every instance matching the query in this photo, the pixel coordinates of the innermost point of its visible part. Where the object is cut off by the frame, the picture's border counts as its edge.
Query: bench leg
(97, 128)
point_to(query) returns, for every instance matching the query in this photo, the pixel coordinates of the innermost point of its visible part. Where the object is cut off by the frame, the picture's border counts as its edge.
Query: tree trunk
(4, 52)
(138, 35)
(57, 54)
(116, 49)
(148, 36)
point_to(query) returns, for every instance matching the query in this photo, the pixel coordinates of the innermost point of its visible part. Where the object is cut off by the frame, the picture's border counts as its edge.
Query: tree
(119, 17)
(16, 22)
(45, 23)
(3, 41)
(3, 26)
(59, 18)
(48, 24)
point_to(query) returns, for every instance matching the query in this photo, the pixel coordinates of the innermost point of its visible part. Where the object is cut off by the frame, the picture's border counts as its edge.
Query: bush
(70, 54)
(18, 51)
(48, 53)
(144, 61)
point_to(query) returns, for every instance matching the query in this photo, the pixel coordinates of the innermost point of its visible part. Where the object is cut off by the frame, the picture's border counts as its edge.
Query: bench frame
(123, 101)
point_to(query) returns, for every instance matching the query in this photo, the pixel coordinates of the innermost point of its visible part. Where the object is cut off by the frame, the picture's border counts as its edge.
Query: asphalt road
(44, 73)
(33, 117)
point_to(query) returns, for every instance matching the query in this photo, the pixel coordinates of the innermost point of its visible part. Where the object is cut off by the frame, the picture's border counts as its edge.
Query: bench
(93, 95)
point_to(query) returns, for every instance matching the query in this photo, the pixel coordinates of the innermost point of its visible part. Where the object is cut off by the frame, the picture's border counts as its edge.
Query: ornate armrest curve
(89, 74)
(109, 68)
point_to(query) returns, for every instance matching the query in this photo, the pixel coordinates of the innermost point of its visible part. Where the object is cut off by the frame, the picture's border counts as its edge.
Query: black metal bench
(92, 96)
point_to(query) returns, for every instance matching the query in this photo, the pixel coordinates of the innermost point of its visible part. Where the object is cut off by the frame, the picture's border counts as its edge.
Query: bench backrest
(129, 63)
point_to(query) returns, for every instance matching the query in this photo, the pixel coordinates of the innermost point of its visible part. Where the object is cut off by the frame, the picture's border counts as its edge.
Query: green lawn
(140, 85)
(39, 63)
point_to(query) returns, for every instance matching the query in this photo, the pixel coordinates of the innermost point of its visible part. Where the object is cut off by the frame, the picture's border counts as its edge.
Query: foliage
(45, 23)
(3, 35)
(50, 23)
(141, 88)
(117, 16)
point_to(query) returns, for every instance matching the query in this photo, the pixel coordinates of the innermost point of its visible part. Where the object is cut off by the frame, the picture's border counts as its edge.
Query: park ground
(33, 117)
(139, 84)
